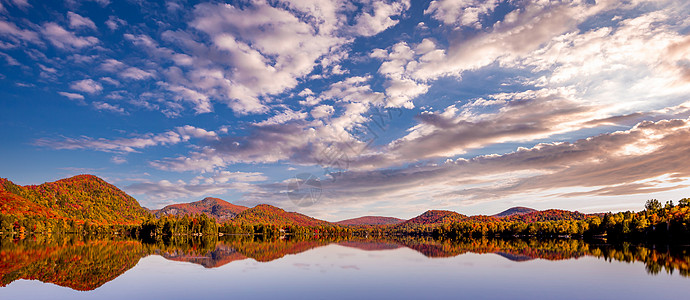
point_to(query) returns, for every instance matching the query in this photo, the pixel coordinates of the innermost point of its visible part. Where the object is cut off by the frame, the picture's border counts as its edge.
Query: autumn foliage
(66, 204)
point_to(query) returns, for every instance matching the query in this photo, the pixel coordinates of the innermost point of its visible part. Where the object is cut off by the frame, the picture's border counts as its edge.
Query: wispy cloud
(390, 93)
(77, 21)
(201, 186)
(64, 39)
(108, 107)
(646, 159)
(72, 96)
(87, 85)
(136, 74)
(125, 145)
(11, 31)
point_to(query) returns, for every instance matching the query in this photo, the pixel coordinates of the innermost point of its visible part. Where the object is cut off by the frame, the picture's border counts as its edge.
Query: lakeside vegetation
(667, 222)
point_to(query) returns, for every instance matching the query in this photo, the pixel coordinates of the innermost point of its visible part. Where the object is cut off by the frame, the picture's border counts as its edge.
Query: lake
(253, 267)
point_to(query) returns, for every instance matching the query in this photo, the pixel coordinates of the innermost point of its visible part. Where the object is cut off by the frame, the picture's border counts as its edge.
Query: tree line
(667, 221)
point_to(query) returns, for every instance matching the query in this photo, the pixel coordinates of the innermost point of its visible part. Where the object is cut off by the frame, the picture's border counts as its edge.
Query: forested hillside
(66, 203)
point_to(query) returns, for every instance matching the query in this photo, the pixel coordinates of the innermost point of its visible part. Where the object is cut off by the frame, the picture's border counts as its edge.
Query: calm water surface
(309, 268)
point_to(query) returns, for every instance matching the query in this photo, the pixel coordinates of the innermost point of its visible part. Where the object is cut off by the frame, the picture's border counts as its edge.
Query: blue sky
(396, 107)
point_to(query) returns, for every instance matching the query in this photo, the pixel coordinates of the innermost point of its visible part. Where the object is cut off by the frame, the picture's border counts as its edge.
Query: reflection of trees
(268, 249)
(667, 258)
(70, 261)
(81, 263)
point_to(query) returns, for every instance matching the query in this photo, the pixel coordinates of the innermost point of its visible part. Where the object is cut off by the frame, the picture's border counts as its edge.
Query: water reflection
(85, 263)
(72, 261)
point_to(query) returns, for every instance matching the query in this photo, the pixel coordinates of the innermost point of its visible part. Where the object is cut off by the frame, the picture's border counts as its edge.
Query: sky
(366, 107)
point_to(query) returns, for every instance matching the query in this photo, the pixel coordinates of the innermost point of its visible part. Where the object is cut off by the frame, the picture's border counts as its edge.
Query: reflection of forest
(70, 261)
(82, 263)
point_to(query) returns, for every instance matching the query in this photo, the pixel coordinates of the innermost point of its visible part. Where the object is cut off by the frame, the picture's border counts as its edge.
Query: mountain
(89, 198)
(268, 214)
(218, 209)
(435, 217)
(82, 197)
(518, 210)
(14, 204)
(370, 220)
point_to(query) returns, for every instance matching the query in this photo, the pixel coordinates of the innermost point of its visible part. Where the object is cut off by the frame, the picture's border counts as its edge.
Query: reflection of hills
(78, 265)
(522, 250)
(431, 247)
(265, 251)
(234, 248)
(88, 264)
(220, 256)
(515, 257)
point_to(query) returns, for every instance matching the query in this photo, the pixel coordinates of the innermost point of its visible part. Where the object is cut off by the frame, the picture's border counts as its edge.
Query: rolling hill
(218, 209)
(82, 197)
(435, 217)
(518, 210)
(268, 214)
(370, 220)
(85, 198)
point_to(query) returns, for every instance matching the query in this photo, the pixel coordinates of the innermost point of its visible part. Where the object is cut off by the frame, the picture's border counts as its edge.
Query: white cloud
(264, 144)
(103, 3)
(82, 59)
(261, 50)
(322, 111)
(593, 167)
(112, 65)
(136, 74)
(635, 60)
(202, 186)
(10, 60)
(462, 12)
(188, 131)
(12, 31)
(64, 39)
(201, 102)
(108, 107)
(142, 40)
(402, 85)
(287, 136)
(268, 48)
(125, 145)
(77, 21)
(21, 3)
(225, 176)
(114, 22)
(523, 32)
(47, 69)
(286, 116)
(110, 81)
(87, 85)
(379, 19)
(72, 96)
(118, 160)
